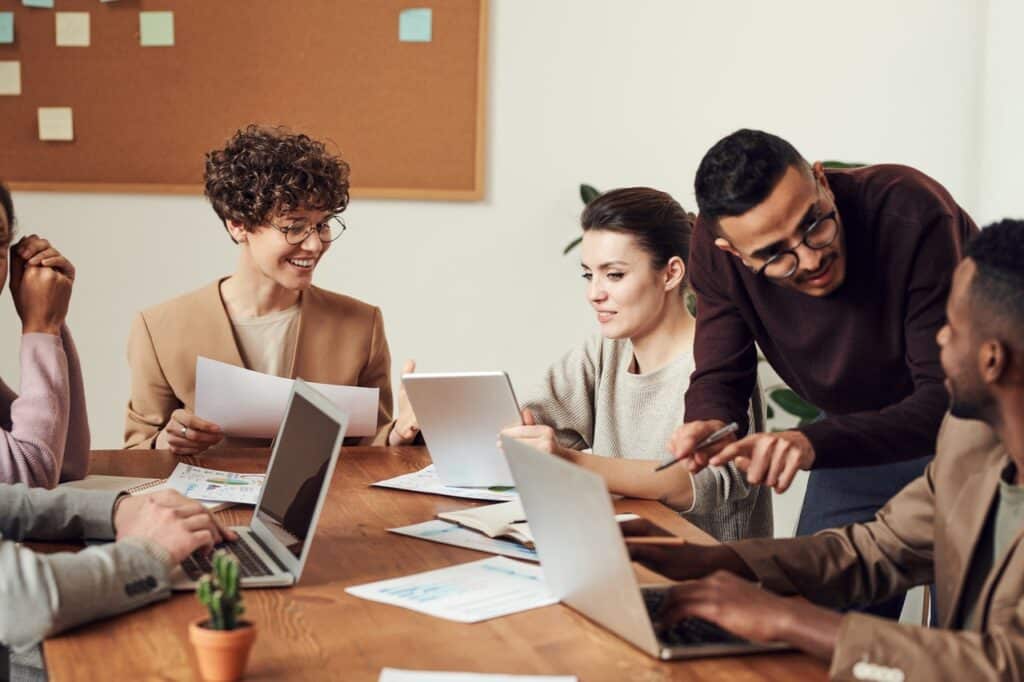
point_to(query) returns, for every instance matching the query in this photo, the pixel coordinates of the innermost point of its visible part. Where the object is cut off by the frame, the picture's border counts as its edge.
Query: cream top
(267, 343)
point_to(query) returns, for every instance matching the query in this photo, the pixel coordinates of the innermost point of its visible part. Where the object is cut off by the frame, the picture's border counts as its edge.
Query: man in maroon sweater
(840, 277)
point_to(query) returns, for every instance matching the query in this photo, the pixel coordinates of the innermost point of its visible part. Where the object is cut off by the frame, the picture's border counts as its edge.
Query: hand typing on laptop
(717, 586)
(169, 520)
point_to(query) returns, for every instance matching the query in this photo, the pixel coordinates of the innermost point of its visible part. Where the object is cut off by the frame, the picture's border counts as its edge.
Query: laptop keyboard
(249, 563)
(689, 631)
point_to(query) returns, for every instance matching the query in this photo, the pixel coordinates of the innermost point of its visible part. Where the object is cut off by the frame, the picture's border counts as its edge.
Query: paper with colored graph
(449, 533)
(467, 593)
(212, 485)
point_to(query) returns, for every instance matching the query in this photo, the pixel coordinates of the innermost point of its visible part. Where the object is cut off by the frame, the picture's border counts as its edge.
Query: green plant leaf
(571, 245)
(588, 193)
(793, 404)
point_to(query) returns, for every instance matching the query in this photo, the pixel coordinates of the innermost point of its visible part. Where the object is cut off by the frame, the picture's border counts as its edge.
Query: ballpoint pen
(731, 427)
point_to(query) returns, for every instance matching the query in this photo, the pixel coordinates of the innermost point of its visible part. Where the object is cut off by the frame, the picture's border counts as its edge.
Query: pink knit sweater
(44, 431)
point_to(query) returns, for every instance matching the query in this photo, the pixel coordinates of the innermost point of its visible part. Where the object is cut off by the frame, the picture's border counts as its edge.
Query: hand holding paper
(248, 404)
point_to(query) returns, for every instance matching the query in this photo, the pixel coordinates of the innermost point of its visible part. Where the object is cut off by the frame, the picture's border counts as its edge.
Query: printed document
(426, 481)
(467, 593)
(454, 534)
(248, 404)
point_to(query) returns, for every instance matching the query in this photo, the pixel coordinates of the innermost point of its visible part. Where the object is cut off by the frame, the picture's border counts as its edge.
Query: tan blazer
(340, 341)
(926, 533)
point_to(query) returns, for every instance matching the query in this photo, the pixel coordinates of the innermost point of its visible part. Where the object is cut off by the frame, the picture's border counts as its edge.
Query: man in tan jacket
(959, 525)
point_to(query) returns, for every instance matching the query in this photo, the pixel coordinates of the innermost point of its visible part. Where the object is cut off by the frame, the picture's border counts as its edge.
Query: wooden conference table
(316, 631)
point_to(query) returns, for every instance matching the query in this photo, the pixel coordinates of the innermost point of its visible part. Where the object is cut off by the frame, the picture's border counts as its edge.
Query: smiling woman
(279, 196)
(620, 393)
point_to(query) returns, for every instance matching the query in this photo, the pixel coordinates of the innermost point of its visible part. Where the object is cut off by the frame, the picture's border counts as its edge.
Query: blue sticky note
(156, 29)
(414, 25)
(38, 3)
(6, 27)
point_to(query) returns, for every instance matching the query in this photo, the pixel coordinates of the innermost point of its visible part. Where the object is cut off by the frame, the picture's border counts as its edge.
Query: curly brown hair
(262, 172)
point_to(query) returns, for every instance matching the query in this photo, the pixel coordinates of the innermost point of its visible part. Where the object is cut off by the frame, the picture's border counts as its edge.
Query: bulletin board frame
(471, 189)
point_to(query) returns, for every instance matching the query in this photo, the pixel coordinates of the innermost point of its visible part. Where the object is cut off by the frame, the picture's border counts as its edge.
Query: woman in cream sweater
(619, 395)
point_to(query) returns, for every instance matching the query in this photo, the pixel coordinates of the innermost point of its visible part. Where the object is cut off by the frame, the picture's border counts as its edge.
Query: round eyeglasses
(299, 231)
(819, 235)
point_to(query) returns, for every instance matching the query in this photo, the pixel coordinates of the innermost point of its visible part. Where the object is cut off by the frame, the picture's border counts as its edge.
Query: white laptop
(586, 564)
(461, 415)
(272, 549)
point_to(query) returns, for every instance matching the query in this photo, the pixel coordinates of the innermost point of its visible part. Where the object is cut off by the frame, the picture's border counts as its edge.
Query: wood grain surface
(315, 631)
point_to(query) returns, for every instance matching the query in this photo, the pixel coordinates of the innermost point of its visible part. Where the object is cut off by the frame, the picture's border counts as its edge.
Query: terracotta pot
(222, 654)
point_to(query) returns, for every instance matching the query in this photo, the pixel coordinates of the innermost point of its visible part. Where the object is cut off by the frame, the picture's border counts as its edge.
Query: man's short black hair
(740, 171)
(998, 284)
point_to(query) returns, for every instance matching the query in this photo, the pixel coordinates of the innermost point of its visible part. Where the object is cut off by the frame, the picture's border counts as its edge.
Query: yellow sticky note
(55, 123)
(72, 29)
(10, 78)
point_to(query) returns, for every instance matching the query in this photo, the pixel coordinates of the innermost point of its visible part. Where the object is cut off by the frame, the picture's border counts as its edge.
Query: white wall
(1001, 176)
(611, 93)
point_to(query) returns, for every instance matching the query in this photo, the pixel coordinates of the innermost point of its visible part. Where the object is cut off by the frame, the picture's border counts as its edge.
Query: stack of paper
(426, 481)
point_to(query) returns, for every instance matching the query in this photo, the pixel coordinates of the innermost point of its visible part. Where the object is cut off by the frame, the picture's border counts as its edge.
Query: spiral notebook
(133, 485)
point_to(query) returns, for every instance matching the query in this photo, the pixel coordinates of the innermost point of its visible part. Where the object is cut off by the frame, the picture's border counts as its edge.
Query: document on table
(212, 485)
(248, 404)
(467, 593)
(454, 534)
(396, 675)
(426, 481)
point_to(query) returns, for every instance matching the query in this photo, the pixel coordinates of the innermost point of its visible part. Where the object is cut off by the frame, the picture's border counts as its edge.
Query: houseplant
(221, 641)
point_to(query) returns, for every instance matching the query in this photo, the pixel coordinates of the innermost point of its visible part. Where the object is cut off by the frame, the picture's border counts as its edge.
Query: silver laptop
(460, 415)
(586, 564)
(272, 549)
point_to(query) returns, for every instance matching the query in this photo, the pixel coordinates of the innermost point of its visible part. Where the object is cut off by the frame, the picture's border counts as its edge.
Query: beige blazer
(340, 341)
(926, 533)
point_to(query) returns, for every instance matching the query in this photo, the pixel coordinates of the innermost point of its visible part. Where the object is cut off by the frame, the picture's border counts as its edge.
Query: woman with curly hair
(279, 196)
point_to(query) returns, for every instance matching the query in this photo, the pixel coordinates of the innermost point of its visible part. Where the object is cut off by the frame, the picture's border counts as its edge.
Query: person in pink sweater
(44, 428)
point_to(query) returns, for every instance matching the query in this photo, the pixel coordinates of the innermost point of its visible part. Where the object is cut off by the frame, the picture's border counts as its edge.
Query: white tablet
(461, 415)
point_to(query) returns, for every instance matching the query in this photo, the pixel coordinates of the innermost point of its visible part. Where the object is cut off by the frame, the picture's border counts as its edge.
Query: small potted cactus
(222, 641)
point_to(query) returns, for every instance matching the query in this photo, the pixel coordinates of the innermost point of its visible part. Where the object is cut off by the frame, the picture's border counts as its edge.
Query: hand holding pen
(693, 442)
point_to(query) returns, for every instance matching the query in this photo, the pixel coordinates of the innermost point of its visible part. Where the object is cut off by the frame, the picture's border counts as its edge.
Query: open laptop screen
(296, 476)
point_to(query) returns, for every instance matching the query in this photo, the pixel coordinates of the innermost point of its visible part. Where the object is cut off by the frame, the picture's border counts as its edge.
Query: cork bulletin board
(406, 110)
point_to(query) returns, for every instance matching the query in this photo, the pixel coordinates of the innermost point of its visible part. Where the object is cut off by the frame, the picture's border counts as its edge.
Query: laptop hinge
(270, 553)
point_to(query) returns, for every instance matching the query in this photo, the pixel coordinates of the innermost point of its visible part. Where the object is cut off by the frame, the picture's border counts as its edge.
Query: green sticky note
(156, 29)
(6, 28)
(38, 3)
(415, 25)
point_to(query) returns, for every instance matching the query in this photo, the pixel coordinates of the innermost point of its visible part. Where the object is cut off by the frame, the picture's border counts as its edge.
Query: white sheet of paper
(56, 123)
(248, 404)
(453, 534)
(467, 593)
(72, 29)
(10, 78)
(426, 481)
(398, 675)
(213, 485)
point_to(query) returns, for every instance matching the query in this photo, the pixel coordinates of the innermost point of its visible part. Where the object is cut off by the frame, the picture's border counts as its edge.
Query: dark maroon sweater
(866, 354)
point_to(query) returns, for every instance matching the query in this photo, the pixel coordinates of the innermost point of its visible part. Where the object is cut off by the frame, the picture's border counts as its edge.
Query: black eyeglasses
(297, 232)
(819, 235)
